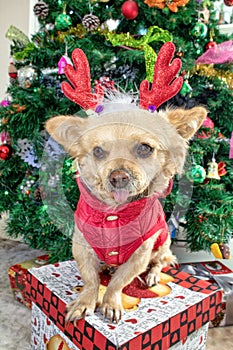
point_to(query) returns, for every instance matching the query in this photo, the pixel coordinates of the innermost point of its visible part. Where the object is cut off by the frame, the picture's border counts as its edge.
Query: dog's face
(127, 154)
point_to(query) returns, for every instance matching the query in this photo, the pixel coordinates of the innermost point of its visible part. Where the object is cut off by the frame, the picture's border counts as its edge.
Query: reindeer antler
(164, 85)
(81, 92)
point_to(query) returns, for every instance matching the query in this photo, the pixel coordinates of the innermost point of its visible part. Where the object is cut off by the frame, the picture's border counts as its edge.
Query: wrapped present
(173, 321)
(219, 274)
(17, 276)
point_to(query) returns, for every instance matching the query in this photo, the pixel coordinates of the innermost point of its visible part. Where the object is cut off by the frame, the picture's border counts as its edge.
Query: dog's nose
(119, 178)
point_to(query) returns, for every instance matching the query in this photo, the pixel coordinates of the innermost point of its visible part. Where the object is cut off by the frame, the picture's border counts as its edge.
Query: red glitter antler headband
(165, 85)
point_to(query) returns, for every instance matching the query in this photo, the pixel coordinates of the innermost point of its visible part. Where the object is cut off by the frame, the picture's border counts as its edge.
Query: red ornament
(228, 2)
(5, 151)
(210, 44)
(129, 9)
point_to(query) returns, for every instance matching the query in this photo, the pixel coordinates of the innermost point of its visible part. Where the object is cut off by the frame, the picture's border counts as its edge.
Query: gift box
(17, 276)
(219, 274)
(177, 320)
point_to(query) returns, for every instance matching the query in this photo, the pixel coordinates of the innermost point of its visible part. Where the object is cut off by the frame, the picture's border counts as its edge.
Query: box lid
(157, 323)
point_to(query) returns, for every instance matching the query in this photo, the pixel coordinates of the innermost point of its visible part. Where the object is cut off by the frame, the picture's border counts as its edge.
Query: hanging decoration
(64, 60)
(222, 169)
(90, 22)
(26, 76)
(129, 9)
(16, 35)
(63, 21)
(41, 9)
(228, 2)
(199, 30)
(207, 124)
(212, 172)
(126, 41)
(197, 174)
(12, 71)
(218, 54)
(6, 151)
(171, 4)
(26, 153)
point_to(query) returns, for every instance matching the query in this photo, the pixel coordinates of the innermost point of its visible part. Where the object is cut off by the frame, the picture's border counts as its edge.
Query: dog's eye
(99, 152)
(143, 150)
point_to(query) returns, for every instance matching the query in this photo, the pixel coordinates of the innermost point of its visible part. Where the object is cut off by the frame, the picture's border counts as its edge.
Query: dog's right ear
(66, 130)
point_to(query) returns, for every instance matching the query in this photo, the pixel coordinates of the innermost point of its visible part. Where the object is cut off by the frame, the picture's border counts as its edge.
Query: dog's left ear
(187, 121)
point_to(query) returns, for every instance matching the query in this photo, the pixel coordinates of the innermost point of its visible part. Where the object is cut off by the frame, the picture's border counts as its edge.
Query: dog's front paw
(83, 306)
(153, 276)
(111, 308)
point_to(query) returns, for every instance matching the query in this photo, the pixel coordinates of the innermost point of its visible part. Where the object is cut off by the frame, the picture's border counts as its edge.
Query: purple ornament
(64, 60)
(99, 109)
(5, 103)
(152, 108)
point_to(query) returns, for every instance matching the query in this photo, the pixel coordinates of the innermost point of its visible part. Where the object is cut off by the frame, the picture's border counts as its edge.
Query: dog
(126, 160)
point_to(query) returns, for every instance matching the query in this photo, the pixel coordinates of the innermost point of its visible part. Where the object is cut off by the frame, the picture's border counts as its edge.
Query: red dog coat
(115, 233)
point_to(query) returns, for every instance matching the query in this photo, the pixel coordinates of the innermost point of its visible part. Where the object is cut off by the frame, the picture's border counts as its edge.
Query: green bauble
(186, 88)
(199, 30)
(197, 174)
(62, 21)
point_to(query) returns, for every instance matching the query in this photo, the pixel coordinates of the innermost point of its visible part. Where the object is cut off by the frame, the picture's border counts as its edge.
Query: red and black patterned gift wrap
(152, 322)
(18, 274)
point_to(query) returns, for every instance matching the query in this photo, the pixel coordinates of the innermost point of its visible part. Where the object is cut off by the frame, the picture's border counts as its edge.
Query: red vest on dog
(115, 233)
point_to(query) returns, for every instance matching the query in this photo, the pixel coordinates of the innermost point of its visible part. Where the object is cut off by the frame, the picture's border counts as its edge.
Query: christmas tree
(121, 40)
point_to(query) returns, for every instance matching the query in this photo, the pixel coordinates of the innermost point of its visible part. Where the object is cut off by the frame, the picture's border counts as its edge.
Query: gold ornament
(213, 170)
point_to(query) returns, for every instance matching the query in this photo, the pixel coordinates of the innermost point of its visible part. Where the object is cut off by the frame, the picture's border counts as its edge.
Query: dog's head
(129, 153)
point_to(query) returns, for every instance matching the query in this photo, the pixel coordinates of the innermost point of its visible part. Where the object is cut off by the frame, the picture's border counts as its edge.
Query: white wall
(17, 13)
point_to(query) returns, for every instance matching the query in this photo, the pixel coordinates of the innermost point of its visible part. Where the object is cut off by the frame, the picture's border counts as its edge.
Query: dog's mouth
(121, 195)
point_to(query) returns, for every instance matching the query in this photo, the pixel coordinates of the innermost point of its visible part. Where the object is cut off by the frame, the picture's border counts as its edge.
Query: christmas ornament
(12, 71)
(5, 103)
(221, 168)
(153, 34)
(207, 124)
(57, 342)
(26, 153)
(171, 4)
(204, 15)
(220, 250)
(26, 76)
(220, 53)
(228, 2)
(212, 172)
(17, 36)
(6, 151)
(90, 22)
(5, 137)
(129, 9)
(41, 9)
(186, 88)
(62, 21)
(197, 174)
(64, 60)
(199, 30)
(210, 44)
(111, 24)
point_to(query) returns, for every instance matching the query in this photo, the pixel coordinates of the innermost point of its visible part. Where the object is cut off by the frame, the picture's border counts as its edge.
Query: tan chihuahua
(127, 156)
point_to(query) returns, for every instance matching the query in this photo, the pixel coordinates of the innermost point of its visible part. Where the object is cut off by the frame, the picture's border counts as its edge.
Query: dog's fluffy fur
(150, 148)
